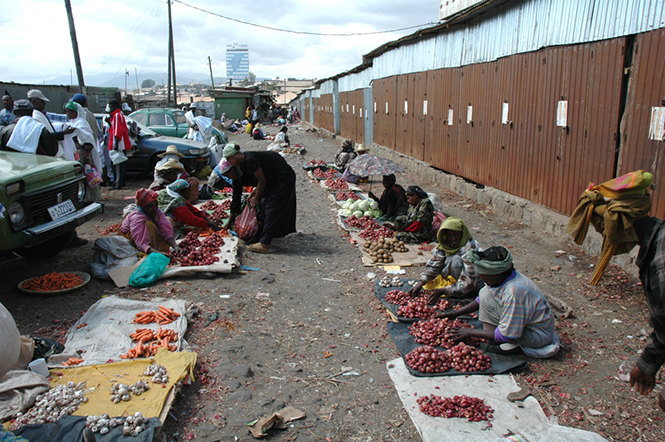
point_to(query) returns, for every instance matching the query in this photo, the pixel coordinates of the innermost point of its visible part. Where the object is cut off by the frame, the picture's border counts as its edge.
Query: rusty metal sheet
(646, 90)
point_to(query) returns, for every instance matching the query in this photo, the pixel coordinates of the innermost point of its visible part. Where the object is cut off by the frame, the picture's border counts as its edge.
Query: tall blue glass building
(237, 61)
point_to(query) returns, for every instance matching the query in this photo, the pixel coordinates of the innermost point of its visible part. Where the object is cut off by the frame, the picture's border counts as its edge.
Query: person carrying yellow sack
(619, 210)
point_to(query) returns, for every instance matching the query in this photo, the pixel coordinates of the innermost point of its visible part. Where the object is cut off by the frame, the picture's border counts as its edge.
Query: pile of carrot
(72, 361)
(149, 341)
(162, 316)
(52, 282)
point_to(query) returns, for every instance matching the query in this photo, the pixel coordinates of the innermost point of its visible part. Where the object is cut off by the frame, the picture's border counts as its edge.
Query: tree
(252, 77)
(147, 83)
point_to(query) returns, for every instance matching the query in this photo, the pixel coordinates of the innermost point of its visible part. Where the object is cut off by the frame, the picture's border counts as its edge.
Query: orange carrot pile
(149, 341)
(162, 316)
(72, 361)
(52, 282)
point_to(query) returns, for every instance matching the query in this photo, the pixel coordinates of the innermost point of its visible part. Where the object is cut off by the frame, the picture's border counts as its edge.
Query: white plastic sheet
(529, 421)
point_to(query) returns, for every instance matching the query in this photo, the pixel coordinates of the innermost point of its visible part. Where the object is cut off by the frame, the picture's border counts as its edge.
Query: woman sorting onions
(274, 183)
(173, 202)
(447, 259)
(416, 226)
(148, 229)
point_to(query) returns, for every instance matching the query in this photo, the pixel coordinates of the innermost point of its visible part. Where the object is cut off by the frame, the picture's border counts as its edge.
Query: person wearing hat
(148, 229)
(26, 134)
(39, 101)
(257, 133)
(7, 115)
(172, 170)
(514, 312)
(348, 176)
(416, 226)
(126, 110)
(274, 183)
(173, 202)
(171, 153)
(619, 210)
(447, 259)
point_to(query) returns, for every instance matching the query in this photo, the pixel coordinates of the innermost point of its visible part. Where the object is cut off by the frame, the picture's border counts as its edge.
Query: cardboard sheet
(102, 333)
(529, 421)
(403, 259)
(99, 379)
(399, 332)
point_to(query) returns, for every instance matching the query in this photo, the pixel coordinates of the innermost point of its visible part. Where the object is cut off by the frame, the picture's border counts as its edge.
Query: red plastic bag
(247, 225)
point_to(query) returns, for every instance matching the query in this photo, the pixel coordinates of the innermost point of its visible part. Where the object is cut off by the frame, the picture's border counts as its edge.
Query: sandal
(257, 248)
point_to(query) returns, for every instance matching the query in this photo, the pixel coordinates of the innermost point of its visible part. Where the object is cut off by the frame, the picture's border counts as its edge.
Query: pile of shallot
(417, 308)
(319, 173)
(336, 183)
(468, 407)
(398, 297)
(461, 357)
(436, 331)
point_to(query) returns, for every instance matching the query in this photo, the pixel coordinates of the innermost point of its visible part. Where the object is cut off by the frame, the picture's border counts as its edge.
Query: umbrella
(366, 165)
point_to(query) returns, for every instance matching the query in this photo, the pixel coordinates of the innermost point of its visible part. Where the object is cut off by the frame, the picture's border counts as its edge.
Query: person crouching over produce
(147, 227)
(447, 259)
(173, 202)
(416, 226)
(513, 310)
(274, 183)
(345, 154)
(393, 199)
(172, 170)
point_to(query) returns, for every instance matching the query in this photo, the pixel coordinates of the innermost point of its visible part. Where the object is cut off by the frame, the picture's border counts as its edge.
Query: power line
(298, 32)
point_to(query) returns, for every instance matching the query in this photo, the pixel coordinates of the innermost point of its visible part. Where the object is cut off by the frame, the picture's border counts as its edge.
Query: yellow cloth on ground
(612, 208)
(440, 282)
(99, 379)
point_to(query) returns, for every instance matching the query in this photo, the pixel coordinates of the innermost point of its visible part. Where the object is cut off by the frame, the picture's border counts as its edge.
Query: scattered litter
(572, 258)
(261, 295)
(260, 427)
(226, 296)
(616, 321)
(331, 280)
(254, 269)
(371, 275)
(559, 253)
(351, 373)
(593, 412)
(624, 373)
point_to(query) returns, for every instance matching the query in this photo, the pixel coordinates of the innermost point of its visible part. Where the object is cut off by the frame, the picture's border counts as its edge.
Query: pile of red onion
(376, 233)
(218, 212)
(319, 173)
(398, 297)
(468, 407)
(362, 223)
(436, 331)
(336, 183)
(417, 308)
(427, 359)
(344, 195)
(314, 163)
(465, 358)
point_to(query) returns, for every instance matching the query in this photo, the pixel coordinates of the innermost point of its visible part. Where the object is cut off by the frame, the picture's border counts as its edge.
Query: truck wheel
(47, 249)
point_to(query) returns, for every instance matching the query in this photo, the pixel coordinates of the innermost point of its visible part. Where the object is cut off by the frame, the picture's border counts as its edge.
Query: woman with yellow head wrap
(447, 259)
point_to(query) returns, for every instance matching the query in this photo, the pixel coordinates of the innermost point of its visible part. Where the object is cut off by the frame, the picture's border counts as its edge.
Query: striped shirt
(466, 274)
(523, 306)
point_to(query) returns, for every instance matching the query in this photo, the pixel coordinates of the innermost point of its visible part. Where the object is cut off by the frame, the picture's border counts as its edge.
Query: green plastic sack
(149, 270)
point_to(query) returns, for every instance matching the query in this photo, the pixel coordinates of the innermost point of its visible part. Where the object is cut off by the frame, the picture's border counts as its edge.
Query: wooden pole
(212, 81)
(168, 90)
(75, 46)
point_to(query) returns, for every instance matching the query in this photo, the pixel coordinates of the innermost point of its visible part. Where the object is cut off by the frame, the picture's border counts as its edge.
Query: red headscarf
(145, 197)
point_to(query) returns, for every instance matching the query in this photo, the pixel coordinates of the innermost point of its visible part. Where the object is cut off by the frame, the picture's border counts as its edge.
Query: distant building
(237, 61)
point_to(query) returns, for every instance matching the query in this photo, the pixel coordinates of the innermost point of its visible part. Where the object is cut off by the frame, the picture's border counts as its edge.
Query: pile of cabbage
(360, 208)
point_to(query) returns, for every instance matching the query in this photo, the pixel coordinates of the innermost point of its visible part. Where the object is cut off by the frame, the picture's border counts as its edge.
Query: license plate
(62, 209)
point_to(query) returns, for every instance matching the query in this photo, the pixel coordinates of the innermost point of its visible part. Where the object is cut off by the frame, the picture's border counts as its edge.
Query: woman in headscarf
(173, 202)
(345, 154)
(416, 226)
(147, 227)
(448, 260)
(274, 183)
(281, 140)
(217, 179)
(393, 199)
(84, 143)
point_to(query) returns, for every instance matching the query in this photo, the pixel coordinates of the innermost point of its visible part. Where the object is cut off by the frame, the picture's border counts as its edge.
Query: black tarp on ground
(70, 429)
(380, 293)
(405, 342)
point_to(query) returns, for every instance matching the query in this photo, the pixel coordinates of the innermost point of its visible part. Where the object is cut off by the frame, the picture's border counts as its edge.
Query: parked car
(165, 121)
(41, 203)
(169, 122)
(150, 144)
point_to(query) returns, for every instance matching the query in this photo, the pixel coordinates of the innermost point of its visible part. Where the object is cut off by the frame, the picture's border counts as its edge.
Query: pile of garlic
(50, 406)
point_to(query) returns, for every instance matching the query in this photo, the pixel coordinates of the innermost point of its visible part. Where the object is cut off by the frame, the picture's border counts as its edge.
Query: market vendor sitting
(393, 199)
(447, 259)
(513, 310)
(217, 179)
(345, 154)
(147, 227)
(416, 226)
(173, 202)
(172, 170)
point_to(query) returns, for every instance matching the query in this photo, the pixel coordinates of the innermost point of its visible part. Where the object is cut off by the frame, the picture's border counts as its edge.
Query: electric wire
(299, 32)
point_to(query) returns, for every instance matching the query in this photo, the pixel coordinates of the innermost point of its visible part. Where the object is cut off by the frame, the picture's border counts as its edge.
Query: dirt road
(282, 334)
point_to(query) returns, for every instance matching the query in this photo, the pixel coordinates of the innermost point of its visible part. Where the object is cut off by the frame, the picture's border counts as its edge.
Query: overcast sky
(119, 35)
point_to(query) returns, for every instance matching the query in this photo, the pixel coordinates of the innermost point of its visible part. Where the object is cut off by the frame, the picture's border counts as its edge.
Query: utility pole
(137, 78)
(126, 77)
(168, 90)
(75, 46)
(212, 81)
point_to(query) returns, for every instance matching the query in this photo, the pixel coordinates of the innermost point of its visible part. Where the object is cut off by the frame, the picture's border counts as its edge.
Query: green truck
(42, 201)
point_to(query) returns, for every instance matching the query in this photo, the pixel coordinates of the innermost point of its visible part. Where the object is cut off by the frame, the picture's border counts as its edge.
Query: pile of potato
(382, 249)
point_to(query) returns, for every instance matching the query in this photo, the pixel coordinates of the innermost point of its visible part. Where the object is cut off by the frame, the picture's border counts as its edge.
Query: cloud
(116, 35)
